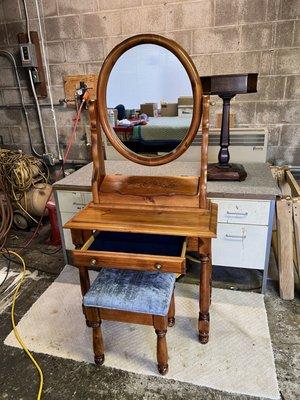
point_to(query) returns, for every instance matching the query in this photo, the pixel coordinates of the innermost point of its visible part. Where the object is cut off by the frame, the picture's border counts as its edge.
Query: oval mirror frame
(191, 70)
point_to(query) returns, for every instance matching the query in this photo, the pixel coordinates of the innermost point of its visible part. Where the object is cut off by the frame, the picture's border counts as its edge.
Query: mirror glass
(150, 100)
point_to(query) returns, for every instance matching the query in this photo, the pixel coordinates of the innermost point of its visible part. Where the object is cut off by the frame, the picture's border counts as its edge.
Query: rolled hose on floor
(20, 173)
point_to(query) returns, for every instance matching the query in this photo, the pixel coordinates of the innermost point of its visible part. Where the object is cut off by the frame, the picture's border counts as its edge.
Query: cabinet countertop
(259, 183)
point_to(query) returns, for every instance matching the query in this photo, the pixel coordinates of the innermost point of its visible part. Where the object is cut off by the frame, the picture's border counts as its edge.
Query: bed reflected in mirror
(149, 100)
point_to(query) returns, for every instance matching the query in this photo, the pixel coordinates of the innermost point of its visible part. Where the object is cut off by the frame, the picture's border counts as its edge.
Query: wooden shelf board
(187, 222)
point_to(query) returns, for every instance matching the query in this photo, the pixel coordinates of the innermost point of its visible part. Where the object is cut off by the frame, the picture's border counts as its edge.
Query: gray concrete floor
(66, 379)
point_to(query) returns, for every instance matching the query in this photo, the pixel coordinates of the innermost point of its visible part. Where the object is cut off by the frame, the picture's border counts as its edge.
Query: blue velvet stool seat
(135, 291)
(141, 297)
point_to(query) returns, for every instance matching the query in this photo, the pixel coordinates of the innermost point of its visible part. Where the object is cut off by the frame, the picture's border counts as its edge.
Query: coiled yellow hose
(16, 332)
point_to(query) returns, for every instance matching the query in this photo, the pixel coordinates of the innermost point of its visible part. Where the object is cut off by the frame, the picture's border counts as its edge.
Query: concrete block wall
(222, 36)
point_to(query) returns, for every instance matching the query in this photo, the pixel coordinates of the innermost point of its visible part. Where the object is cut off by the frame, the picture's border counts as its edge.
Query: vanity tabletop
(259, 183)
(190, 222)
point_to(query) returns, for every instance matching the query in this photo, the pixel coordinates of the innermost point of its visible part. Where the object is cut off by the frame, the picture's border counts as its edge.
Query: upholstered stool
(140, 297)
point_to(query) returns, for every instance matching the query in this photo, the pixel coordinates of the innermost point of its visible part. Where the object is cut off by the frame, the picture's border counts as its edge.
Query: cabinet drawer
(242, 246)
(72, 201)
(243, 211)
(133, 251)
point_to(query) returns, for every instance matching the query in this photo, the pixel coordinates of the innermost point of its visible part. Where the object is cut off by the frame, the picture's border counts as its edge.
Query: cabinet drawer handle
(93, 262)
(242, 214)
(235, 236)
(158, 266)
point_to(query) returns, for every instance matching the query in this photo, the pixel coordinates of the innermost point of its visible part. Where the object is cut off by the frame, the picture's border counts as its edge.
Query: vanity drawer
(241, 246)
(135, 251)
(243, 211)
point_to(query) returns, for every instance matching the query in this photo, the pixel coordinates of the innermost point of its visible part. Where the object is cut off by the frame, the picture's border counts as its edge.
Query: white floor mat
(238, 357)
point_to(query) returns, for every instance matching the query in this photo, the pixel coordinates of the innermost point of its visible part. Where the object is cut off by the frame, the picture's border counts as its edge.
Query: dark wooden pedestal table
(226, 87)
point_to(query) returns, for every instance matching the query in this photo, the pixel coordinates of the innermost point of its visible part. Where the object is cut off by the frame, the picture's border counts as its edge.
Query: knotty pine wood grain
(186, 222)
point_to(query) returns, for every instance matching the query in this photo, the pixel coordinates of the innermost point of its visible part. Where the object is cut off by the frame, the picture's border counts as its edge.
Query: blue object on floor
(135, 291)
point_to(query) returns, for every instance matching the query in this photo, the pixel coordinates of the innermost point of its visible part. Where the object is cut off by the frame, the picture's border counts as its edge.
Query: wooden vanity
(156, 216)
(143, 222)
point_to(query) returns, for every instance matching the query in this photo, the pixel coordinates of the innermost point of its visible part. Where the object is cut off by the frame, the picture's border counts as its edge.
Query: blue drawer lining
(139, 243)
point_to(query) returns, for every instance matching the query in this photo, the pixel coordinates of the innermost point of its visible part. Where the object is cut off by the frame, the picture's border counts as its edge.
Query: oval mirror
(149, 98)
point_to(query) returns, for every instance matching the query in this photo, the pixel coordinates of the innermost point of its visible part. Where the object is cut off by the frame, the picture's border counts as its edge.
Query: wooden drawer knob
(93, 262)
(158, 266)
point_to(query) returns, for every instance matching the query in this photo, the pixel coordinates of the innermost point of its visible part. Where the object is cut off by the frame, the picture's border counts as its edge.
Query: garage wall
(222, 36)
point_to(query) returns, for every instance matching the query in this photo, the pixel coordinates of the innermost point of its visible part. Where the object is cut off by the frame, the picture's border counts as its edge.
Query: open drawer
(136, 251)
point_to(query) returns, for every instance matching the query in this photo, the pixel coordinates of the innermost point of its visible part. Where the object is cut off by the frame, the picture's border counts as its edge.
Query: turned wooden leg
(210, 283)
(160, 325)
(205, 292)
(87, 322)
(171, 313)
(98, 344)
(85, 285)
(95, 321)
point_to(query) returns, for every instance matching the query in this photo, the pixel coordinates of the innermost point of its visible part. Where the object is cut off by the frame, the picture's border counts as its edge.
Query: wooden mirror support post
(226, 87)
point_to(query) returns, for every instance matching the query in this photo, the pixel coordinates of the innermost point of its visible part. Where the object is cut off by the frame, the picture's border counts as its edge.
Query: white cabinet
(68, 203)
(243, 233)
(241, 246)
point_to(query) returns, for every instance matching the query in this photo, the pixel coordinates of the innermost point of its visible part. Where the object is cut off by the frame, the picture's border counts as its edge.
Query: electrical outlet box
(36, 60)
(28, 55)
(72, 84)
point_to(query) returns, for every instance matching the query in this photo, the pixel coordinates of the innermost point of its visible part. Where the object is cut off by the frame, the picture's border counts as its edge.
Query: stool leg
(88, 323)
(98, 345)
(85, 285)
(93, 317)
(171, 313)
(160, 325)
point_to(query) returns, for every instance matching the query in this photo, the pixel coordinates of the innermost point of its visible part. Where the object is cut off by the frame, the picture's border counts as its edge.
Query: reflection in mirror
(149, 100)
